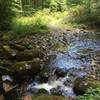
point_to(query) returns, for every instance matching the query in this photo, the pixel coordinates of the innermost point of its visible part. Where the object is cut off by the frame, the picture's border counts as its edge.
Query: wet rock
(68, 82)
(11, 95)
(26, 70)
(82, 84)
(7, 88)
(60, 72)
(56, 91)
(43, 77)
(42, 91)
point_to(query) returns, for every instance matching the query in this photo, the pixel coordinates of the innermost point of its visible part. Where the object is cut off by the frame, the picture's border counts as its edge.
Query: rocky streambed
(59, 63)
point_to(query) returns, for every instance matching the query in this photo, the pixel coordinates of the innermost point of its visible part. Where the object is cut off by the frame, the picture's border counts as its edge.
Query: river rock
(60, 72)
(56, 91)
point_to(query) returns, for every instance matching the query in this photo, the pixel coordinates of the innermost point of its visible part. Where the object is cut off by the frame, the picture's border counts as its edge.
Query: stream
(73, 63)
(58, 72)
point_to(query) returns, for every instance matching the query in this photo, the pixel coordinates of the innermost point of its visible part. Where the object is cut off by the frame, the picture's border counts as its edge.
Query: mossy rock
(82, 84)
(25, 70)
(28, 55)
(5, 37)
(48, 97)
(19, 47)
(42, 91)
(7, 49)
(25, 65)
(7, 52)
(5, 67)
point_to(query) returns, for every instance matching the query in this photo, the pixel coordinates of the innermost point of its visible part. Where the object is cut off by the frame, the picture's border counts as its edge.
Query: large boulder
(25, 70)
(13, 53)
(28, 55)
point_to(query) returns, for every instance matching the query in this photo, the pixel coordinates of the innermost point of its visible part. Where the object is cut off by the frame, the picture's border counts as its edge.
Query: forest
(49, 49)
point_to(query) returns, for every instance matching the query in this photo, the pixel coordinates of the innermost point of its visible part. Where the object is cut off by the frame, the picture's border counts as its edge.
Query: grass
(30, 25)
(37, 23)
(91, 94)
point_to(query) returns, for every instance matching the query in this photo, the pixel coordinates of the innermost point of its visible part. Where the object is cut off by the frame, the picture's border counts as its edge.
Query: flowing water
(79, 54)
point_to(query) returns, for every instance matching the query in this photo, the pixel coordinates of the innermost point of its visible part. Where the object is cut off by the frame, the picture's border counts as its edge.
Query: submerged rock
(56, 91)
(42, 91)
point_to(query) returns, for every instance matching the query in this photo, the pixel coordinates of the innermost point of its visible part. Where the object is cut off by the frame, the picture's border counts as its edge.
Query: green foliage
(31, 25)
(58, 5)
(71, 3)
(86, 11)
(91, 94)
(37, 23)
(6, 14)
(78, 14)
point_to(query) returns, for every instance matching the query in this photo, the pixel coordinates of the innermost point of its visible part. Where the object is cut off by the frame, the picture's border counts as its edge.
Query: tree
(6, 14)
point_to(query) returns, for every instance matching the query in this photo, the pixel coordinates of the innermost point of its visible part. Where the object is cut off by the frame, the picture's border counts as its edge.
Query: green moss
(47, 97)
(28, 55)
